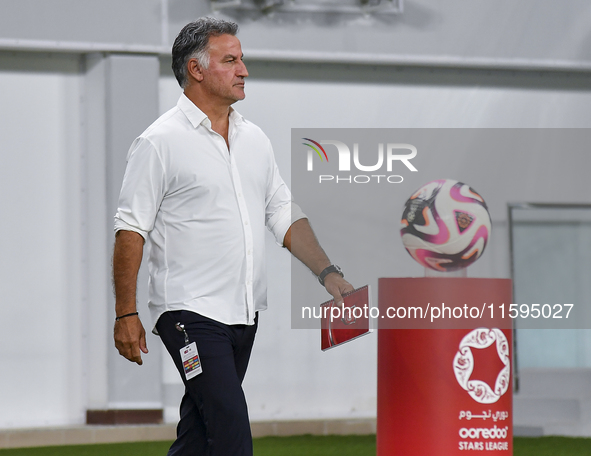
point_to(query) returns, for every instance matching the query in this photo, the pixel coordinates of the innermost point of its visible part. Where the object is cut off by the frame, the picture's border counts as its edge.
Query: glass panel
(551, 264)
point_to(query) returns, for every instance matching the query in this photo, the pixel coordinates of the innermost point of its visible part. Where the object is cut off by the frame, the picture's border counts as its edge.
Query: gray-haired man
(201, 184)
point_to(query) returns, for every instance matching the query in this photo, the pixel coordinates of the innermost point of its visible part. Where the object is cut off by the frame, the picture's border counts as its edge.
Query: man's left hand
(337, 286)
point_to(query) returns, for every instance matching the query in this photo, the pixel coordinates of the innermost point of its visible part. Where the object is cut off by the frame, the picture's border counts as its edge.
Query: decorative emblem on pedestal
(463, 364)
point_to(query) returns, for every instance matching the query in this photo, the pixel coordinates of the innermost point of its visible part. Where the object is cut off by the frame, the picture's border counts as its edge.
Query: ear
(194, 70)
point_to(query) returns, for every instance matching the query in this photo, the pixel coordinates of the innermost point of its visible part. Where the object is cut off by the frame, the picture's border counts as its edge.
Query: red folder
(339, 326)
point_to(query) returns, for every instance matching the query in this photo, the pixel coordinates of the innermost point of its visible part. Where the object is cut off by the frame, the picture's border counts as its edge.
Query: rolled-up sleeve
(281, 211)
(142, 190)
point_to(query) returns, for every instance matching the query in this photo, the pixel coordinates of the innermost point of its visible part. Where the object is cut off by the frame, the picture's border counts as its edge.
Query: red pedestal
(445, 392)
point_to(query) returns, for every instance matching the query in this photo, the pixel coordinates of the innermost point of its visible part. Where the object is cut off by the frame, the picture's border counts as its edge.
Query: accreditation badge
(191, 361)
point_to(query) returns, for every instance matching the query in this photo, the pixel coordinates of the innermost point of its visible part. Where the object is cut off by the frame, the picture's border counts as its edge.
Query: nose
(242, 71)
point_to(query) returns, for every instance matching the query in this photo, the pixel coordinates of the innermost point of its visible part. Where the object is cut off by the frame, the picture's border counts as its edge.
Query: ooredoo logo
(484, 433)
(463, 364)
(393, 153)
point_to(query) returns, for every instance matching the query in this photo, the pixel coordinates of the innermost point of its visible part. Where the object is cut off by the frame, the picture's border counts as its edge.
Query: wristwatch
(328, 270)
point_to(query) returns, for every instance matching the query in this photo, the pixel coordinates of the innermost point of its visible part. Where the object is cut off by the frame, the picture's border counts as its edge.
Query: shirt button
(246, 223)
(250, 252)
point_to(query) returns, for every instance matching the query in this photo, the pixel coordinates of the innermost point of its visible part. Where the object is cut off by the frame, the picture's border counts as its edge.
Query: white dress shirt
(203, 209)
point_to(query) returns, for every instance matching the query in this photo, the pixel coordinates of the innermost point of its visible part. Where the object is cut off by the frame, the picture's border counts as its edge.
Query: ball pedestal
(444, 392)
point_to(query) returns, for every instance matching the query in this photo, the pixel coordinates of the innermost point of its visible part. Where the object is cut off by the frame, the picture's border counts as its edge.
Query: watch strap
(328, 270)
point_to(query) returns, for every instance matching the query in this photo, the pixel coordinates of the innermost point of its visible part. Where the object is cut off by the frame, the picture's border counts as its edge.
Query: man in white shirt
(201, 184)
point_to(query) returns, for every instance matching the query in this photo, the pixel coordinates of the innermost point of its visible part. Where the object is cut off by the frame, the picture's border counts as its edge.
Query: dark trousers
(214, 417)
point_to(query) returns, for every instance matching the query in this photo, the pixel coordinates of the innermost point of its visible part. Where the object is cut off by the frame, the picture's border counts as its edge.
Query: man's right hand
(129, 333)
(130, 338)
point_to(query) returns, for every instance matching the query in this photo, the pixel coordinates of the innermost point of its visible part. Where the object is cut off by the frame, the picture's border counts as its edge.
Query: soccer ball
(445, 225)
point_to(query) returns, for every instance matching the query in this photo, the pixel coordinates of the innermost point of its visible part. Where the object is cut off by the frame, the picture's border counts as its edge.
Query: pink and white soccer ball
(445, 225)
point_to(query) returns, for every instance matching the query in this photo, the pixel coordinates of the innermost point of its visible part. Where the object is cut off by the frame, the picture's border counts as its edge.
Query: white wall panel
(41, 316)
(131, 106)
(107, 21)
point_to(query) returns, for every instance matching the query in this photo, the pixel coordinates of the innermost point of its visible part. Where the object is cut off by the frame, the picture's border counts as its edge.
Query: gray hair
(192, 42)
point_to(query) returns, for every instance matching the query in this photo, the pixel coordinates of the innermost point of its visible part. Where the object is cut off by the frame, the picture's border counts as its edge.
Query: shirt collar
(235, 117)
(196, 116)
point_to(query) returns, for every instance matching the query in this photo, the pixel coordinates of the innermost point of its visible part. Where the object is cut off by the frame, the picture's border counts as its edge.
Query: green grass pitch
(305, 445)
